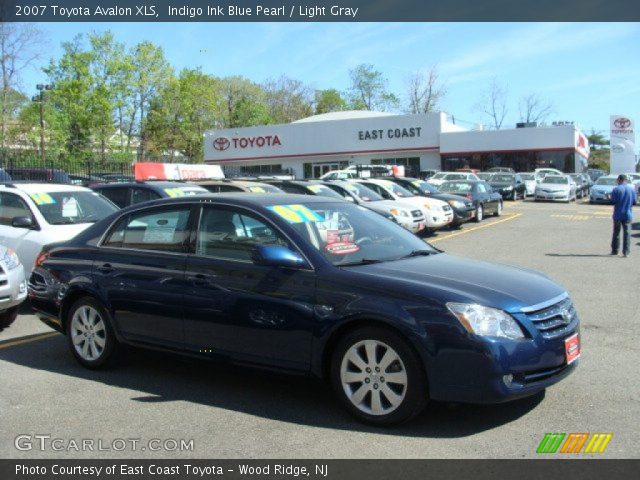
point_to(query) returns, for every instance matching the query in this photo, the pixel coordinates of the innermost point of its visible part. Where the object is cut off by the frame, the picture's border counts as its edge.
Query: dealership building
(312, 146)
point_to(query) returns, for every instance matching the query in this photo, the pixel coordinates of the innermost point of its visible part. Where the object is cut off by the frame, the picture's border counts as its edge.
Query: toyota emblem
(221, 143)
(622, 123)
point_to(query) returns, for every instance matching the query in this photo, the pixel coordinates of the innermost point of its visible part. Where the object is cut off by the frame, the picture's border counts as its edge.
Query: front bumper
(13, 288)
(461, 215)
(414, 225)
(597, 197)
(560, 196)
(492, 370)
(438, 219)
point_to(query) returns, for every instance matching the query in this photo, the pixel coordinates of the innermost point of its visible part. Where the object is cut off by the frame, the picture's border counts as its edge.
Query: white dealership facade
(310, 147)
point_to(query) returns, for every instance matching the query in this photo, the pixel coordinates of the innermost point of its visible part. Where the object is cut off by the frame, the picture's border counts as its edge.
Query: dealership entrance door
(316, 170)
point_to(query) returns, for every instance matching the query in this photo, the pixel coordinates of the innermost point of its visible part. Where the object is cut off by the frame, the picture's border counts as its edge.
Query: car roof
(138, 184)
(44, 187)
(240, 198)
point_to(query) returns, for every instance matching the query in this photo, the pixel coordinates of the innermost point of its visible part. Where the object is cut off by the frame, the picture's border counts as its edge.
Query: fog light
(23, 287)
(507, 379)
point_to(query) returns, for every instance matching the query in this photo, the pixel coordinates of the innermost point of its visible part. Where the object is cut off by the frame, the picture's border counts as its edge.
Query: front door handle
(105, 268)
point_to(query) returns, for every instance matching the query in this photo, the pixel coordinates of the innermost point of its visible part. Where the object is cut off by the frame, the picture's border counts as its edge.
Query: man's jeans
(615, 241)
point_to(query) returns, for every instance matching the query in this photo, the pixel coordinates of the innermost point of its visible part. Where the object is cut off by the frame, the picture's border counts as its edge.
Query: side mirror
(22, 222)
(277, 256)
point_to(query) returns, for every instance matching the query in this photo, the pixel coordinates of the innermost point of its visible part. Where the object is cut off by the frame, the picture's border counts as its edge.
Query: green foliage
(329, 100)
(597, 140)
(369, 90)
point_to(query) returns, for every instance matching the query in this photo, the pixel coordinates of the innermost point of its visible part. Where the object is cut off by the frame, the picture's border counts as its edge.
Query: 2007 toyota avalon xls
(314, 286)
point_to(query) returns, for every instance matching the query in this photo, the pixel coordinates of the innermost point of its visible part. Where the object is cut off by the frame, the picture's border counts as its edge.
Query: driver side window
(233, 234)
(12, 206)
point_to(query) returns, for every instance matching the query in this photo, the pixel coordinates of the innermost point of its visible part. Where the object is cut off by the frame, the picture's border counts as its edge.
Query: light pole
(40, 99)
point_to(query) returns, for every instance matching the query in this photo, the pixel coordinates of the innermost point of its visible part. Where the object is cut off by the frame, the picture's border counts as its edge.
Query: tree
(494, 103)
(287, 99)
(180, 114)
(242, 103)
(369, 90)
(596, 139)
(534, 109)
(150, 73)
(20, 46)
(329, 100)
(424, 91)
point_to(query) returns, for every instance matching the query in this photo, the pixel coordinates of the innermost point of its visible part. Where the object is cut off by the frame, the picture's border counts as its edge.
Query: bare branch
(534, 109)
(424, 91)
(494, 103)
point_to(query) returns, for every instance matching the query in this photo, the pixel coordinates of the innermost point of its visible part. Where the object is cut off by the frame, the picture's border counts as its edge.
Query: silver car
(13, 287)
(556, 188)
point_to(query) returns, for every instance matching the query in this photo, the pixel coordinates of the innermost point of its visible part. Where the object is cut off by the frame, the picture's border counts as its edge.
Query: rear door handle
(105, 268)
(200, 279)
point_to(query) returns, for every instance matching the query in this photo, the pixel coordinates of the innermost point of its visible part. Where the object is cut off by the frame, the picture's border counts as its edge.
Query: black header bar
(319, 10)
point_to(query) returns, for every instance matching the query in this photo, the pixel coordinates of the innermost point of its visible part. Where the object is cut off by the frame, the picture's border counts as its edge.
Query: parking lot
(235, 413)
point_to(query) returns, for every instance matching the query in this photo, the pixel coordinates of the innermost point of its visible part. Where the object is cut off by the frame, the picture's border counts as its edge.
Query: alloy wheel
(373, 377)
(88, 333)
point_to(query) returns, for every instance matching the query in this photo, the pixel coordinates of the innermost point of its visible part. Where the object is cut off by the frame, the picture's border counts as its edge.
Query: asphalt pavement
(221, 412)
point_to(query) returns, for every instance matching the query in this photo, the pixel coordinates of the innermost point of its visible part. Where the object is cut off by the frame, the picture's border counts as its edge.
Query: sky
(588, 71)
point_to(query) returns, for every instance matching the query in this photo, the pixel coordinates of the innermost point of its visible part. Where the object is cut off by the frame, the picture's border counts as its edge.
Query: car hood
(554, 187)
(457, 279)
(603, 188)
(389, 204)
(500, 184)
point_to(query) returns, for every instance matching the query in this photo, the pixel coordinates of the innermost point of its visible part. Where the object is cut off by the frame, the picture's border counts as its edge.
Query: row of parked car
(300, 283)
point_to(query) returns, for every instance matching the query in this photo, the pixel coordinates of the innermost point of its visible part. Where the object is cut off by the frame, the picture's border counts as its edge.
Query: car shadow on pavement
(577, 255)
(162, 378)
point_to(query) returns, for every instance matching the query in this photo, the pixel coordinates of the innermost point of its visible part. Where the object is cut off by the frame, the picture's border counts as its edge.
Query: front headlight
(456, 204)
(11, 259)
(486, 321)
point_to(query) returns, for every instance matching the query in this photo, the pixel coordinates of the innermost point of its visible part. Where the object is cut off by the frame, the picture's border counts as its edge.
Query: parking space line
(455, 234)
(30, 339)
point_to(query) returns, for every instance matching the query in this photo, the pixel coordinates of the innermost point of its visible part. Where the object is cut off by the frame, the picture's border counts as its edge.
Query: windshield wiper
(419, 253)
(364, 261)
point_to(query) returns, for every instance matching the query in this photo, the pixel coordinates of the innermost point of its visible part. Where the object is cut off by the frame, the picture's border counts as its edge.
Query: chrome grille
(556, 320)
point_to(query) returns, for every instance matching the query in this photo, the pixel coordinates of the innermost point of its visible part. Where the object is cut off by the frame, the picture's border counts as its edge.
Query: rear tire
(378, 377)
(90, 334)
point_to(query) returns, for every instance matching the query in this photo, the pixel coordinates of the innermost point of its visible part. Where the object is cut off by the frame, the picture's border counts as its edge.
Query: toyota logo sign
(622, 123)
(221, 143)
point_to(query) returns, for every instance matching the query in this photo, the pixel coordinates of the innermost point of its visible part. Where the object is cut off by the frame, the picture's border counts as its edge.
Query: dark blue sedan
(308, 285)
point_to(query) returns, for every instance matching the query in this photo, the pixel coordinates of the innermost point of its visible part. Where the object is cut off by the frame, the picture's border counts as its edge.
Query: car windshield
(484, 176)
(184, 190)
(263, 188)
(528, 176)
(67, 208)
(456, 187)
(347, 234)
(397, 190)
(363, 193)
(502, 178)
(456, 176)
(606, 181)
(425, 187)
(555, 180)
(438, 176)
(323, 190)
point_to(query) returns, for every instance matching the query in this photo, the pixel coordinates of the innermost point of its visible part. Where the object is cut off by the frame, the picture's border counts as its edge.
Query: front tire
(479, 213)
(90, 334)
(378, 377)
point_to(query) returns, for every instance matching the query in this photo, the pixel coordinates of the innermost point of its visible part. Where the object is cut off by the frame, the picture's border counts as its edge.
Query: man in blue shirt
(623, 197)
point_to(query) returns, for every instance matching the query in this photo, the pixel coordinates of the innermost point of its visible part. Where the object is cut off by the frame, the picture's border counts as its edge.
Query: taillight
(42, 256)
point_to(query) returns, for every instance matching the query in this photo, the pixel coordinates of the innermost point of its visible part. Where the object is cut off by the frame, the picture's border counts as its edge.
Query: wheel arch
(72, 297)
(365, 321)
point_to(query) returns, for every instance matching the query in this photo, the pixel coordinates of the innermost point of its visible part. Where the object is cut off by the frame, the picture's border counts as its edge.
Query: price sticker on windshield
(296, 213)
(42, 198)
